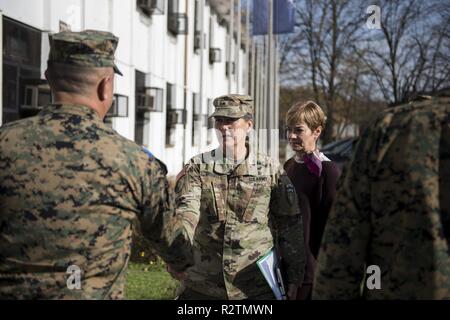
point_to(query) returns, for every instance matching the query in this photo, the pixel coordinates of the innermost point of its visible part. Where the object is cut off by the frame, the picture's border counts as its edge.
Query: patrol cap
(233, 106)
(89, 48)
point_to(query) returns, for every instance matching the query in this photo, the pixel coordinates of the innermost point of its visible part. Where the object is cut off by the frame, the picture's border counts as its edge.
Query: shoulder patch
(150, 155)
(290, 193)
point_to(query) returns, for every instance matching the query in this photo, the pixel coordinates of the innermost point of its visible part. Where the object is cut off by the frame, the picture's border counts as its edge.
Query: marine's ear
(103, 90)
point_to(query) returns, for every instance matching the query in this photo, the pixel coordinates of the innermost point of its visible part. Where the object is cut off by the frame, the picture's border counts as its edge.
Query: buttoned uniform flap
(255, 199)
(213, 197)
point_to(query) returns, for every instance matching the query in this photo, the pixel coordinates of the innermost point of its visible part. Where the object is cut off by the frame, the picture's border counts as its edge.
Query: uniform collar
(246, 167)
(75, 109)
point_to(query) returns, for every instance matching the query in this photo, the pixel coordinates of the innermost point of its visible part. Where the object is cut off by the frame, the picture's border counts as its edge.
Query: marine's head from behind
(81, 68)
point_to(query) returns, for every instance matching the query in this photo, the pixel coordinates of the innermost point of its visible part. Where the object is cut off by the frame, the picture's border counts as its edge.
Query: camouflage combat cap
(89, 48)
(233, 106)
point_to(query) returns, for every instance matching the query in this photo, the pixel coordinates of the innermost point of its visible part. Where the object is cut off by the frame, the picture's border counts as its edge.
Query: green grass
(149, 281)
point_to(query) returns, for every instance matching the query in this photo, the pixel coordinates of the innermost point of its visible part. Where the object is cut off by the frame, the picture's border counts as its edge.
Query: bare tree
(350, 69)
(410, 52)
(319, 51)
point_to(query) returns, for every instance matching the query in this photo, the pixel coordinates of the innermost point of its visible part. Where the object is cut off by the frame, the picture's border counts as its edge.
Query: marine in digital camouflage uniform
(236, 212)
(73, 191)
(393, 209)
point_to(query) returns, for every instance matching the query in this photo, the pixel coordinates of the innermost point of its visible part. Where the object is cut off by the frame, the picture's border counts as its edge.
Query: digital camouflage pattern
(393, 210)
(72, 192)
(89, 48)
(232, 106)
(234, 215)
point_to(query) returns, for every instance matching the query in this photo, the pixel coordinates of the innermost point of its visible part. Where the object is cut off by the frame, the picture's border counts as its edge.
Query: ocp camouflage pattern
(234, 215)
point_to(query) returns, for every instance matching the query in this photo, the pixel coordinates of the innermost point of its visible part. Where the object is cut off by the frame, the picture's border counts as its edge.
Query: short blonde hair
(307, 112)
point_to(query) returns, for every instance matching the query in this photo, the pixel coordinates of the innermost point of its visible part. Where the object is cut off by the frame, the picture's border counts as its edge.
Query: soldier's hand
(180, 276)
(292, 292)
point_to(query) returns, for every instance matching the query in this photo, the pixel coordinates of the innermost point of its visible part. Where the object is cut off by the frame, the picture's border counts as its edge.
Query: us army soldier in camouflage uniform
(393, 210)
(237, 204)
(71, 187)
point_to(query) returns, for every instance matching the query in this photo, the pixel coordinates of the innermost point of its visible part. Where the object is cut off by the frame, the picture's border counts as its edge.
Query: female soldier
(237, 205)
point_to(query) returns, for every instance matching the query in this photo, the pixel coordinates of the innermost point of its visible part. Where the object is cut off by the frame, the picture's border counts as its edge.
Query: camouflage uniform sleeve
(158, 221)
(287, 221)
(188, 192)
(341, 262)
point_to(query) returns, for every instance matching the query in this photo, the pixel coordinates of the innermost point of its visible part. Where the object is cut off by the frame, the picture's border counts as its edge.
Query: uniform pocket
(256, 199)
(219, 194)
(212, 200)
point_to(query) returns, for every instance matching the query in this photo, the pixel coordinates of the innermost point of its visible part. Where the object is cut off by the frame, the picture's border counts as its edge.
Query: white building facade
(171, 73)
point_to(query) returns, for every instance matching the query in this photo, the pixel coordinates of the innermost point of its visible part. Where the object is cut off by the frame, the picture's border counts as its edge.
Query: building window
(157, 95)
(198, 27)
(171, 96)
(211, 32)
(142, 113)
(21, 68)
(173, 7)
(119, 107)
(37, 94)
(174, 115)
(215, 54)
(230, 68)
(229, 63)
(150, 7)
(196, 119)
(149, 99)
(177, 23)
(210, 122)
(170, 104)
